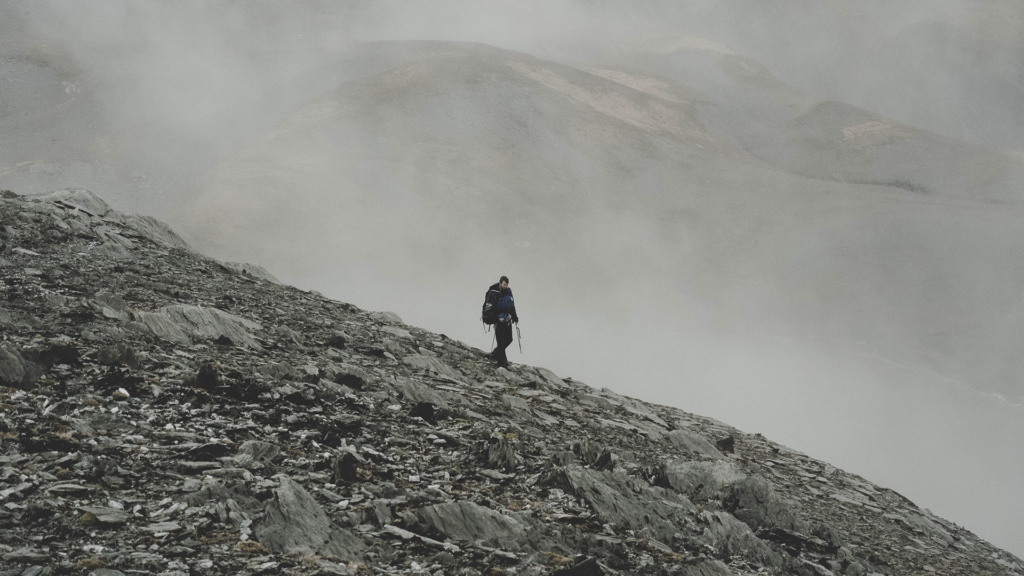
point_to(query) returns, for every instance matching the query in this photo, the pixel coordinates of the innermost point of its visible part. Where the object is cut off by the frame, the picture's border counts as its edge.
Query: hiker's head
(503, 282)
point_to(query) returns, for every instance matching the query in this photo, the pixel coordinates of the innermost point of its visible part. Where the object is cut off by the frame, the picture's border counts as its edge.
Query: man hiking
(500, 310)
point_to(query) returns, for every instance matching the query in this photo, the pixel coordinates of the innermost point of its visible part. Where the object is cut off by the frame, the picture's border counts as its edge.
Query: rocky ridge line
(167, 413)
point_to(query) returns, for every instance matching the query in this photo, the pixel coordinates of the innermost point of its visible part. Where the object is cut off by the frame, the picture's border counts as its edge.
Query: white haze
(185, 84)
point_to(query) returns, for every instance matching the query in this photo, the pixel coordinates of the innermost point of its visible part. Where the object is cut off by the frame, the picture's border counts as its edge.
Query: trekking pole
(519, 339)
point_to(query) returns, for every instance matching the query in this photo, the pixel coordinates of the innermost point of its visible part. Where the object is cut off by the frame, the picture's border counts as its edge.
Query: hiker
(500, 310)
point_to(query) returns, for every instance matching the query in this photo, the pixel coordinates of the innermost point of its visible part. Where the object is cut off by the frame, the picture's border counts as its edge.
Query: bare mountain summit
(167, 413)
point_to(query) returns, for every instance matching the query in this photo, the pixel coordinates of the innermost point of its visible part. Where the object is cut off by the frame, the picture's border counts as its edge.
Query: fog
(636, 169)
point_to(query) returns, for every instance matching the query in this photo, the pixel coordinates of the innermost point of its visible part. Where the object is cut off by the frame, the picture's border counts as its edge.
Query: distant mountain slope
(960, 76)
(163, 411)
(50, 122)
(828, 140)
(953, 68)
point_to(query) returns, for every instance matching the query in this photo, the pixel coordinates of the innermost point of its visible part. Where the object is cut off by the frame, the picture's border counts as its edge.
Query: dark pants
(503, 333)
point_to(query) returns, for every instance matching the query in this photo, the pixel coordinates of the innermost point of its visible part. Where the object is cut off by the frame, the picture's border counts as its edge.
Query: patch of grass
(219, 538)
(252, 548)
(675, 556)
(89, 564)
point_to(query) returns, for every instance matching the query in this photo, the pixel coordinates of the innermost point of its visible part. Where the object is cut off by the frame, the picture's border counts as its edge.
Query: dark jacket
(504, 304)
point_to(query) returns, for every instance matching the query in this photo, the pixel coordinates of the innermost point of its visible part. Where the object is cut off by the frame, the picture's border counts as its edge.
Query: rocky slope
(164, 412)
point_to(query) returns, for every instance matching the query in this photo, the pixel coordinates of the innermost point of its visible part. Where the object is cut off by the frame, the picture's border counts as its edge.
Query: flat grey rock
(550, 377)
(66, 489)
(395, 331)
(183, 323)
(162, 527)
(26, 556)
(414, 391)
(693, 443)
(515, 402)
(105, 515)
(430, 364)
(468, 521)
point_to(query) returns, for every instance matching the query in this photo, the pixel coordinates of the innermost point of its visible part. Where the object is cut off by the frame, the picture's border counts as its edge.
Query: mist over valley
(800, 218)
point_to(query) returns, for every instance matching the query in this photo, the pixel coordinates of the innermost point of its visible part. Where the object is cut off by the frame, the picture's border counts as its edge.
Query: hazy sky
(183, 87)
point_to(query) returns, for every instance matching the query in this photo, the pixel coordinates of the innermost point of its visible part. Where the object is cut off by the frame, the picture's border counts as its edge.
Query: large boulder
(693, 443)
(702, 480)
(296, 524)
(387, 318)
(351, 376)
(181, 323)
(750, 498)
(75, 199)
(730, 537)
(423, 396)
(255, 453)
(85, 201)
(469, 522)
(153, 229)
(15, 370)
(624, 501)
(754, 501)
